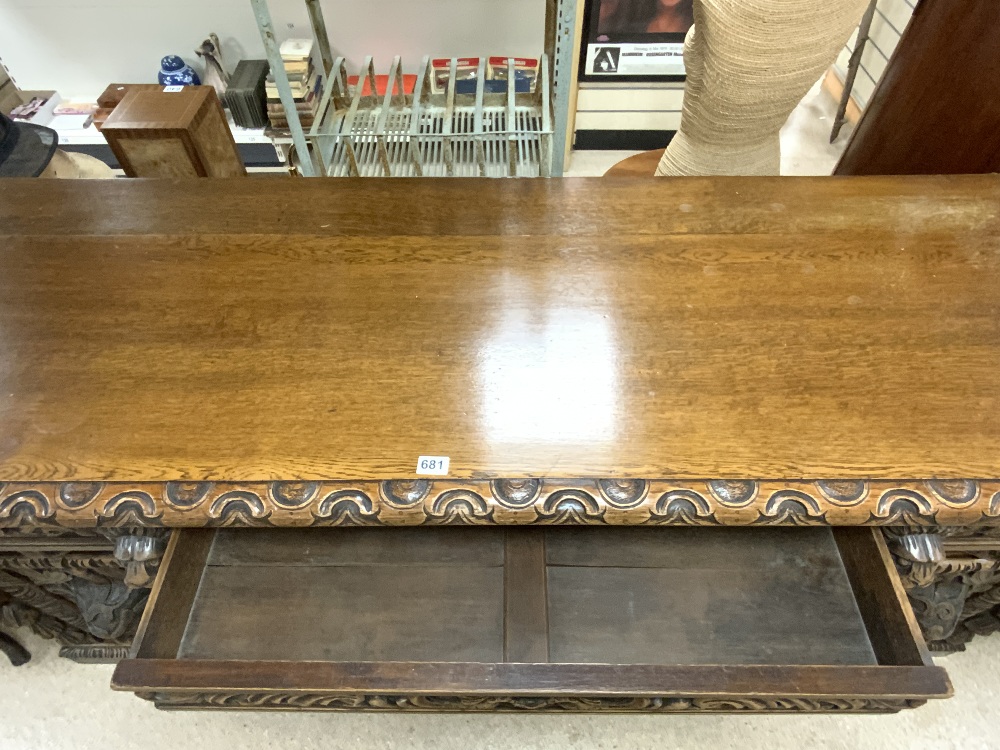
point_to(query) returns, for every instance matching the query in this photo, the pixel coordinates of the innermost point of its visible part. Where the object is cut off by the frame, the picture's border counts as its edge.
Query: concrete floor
(51, 703)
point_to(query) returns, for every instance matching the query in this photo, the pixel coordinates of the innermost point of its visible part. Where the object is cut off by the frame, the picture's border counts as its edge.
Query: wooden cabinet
(557, 619)
(166, 133)
(936, 109)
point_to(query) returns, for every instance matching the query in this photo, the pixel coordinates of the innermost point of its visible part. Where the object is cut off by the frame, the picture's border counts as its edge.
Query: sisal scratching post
(749, 62)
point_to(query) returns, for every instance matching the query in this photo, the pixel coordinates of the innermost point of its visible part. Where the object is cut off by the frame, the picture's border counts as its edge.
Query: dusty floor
(51, 703)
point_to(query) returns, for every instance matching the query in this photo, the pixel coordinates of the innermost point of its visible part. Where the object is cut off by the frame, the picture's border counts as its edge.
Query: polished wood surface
(936, 109)
(184, 133)
(738, 328)
(637, 165)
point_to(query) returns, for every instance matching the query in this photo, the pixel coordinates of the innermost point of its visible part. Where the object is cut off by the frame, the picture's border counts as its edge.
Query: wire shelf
(447, 134)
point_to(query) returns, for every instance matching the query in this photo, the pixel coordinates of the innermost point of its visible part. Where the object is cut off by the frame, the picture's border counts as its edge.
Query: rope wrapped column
(749, 62)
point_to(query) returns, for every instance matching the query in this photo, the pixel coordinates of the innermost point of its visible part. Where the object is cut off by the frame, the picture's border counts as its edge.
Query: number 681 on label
(435, 465)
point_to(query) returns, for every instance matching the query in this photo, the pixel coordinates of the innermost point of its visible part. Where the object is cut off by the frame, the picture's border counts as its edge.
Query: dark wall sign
(634, 40)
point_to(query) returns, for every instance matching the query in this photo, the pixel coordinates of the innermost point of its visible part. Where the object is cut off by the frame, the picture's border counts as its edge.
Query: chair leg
(17, 653)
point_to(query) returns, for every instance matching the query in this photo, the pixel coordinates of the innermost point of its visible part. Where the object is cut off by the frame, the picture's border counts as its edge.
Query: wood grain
(701, 596)
(638, 165)
(351, 595)
(184, 133)
(607, 620)
(526, 616)
(935, 113)
(737, 328)
(376, 547)
(893, 630)
(533, 679)
(595, 207)
(164, 621)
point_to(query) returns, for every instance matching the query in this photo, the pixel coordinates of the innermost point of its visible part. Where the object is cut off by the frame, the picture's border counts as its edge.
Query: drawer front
(559, 619)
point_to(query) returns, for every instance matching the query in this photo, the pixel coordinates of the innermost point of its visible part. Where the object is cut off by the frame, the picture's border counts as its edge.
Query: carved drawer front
(660, 620)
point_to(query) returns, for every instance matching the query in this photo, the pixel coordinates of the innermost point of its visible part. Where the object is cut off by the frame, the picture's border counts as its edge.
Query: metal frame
(476, 133)
(266, 28)
(852, 69)
(560, 30)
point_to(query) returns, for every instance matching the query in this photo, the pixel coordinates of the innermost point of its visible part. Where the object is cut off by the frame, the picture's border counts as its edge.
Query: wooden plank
(526, 636)
(533, 679)
(719, 549)
(844, 214)
(660, 596)
(384, 612)
(574, 83)
(893, 629)
(848, 331)
(165, 618)
(353, 547)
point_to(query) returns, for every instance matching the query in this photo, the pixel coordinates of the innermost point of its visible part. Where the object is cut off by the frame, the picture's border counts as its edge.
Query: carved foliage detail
(953, 598)
(348, 702)
(110, 610)
(77, 597)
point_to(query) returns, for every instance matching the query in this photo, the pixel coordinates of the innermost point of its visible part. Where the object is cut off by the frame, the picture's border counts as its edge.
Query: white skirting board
(627, 115)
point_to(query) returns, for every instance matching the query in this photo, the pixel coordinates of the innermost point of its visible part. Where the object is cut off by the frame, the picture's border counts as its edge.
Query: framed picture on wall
(634, 40)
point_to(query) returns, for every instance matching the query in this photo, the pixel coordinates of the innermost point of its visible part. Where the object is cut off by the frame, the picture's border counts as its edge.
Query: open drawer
(559, 618)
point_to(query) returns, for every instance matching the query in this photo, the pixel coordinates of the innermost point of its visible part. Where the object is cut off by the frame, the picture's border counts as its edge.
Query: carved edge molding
(96, 653)
(278, 701)
(501, 501)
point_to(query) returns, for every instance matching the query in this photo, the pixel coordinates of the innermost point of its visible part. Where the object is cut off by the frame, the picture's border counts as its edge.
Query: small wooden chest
(167, 133)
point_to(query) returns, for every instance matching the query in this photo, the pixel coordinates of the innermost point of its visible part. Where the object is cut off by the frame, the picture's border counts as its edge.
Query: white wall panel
(628, 120)
(79, 46)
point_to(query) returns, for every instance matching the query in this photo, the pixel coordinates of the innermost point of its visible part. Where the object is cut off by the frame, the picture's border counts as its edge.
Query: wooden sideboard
(711, 445)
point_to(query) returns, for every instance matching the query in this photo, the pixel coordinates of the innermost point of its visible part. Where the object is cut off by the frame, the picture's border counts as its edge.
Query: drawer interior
(474, 618)
(622, 596)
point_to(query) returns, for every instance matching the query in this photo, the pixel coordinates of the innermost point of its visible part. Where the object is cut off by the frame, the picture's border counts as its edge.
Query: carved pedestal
(85, 588)
(952, 576)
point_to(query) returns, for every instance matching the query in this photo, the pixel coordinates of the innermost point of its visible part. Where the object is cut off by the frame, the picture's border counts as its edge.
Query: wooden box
(173, 133)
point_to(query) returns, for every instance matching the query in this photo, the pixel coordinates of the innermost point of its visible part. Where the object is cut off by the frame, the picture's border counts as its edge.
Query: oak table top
(160, 338)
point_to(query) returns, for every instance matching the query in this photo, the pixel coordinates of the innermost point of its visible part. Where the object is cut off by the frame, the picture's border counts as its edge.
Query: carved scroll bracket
(140, 550)
(952, 596)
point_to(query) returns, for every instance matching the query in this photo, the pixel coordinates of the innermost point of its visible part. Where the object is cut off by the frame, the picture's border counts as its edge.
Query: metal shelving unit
(413, 135)
(426, 134)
